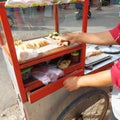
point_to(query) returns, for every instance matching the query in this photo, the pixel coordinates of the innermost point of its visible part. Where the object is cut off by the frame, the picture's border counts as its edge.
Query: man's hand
(99, 79)
(71, 38)
(71, 83)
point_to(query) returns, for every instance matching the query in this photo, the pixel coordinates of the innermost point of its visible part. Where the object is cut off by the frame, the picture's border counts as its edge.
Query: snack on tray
(30, 45)
(40, 43)
(66, 43)
(94, 53)
(18, 42)
(28, 49)
(53, 35)
(64, 64)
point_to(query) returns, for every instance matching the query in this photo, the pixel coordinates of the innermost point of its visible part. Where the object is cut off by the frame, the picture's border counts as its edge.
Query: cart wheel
(92, 105)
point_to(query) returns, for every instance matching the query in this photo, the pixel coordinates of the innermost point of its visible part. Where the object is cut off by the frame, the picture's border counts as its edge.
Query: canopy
(30, 3)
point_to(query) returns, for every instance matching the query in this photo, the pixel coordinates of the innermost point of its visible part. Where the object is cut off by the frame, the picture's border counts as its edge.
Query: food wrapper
(27, 54)
(41, 76)
(54, 73)
(51, 73)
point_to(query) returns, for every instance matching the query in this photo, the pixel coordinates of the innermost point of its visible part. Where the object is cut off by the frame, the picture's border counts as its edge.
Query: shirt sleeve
(115, 70)
(115, 74)
(115, 32)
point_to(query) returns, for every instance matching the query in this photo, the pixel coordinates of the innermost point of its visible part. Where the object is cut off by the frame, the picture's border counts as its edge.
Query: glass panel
(70, 17)
(2, 34)
(30, 22)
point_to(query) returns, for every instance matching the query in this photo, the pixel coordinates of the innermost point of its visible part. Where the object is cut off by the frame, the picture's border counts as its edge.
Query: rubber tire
(86, 100)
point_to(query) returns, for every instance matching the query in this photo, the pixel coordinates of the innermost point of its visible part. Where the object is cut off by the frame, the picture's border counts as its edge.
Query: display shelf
(33, 96)
(50, 55)
(32, 84)
(73, 69)
(45, 56)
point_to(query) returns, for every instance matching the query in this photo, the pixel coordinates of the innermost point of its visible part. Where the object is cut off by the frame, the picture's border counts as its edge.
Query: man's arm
(93, 80)
(100, 38)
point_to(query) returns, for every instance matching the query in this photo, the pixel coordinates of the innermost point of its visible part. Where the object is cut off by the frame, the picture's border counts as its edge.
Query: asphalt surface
(100, 21)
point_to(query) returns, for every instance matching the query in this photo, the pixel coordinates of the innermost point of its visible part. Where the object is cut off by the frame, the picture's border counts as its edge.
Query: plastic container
(75, 57)
(26, 73)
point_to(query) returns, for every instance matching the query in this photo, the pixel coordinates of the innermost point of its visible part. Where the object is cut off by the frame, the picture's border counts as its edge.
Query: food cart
(36, 100)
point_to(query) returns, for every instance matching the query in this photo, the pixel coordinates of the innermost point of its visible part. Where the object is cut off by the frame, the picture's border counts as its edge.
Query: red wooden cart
(38, 101)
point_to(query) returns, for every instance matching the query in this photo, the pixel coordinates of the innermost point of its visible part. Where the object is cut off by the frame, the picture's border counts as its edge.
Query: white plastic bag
(51, 73)
(41, 77)
(15, 3)
(53, 77)
(30, 3)
(23, 55)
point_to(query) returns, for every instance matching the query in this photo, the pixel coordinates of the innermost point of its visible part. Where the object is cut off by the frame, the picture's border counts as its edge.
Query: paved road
(100, 21)
(7, 95)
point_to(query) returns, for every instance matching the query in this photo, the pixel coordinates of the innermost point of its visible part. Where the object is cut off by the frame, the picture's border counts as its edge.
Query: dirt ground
(11, 113)
(14, 113)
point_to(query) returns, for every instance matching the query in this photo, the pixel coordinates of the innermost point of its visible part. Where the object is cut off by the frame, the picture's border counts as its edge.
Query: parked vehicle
(79, 7)
(10, 15)
(11, 21)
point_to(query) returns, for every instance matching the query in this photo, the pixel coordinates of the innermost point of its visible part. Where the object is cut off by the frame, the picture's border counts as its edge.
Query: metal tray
(91, 61)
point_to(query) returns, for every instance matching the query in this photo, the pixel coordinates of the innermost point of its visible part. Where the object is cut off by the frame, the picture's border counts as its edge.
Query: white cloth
(116, 102)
